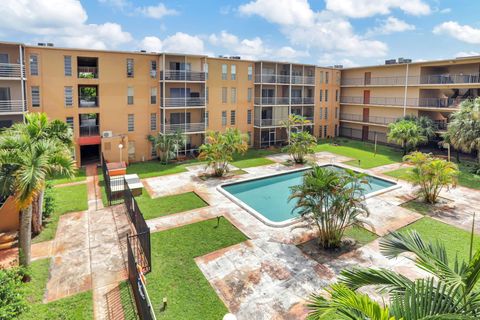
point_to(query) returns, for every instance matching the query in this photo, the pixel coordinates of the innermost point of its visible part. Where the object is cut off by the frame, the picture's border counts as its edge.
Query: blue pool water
(269, 196)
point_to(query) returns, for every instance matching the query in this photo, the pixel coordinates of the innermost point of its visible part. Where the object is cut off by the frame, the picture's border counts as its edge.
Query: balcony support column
(22, 82)
(405, 93)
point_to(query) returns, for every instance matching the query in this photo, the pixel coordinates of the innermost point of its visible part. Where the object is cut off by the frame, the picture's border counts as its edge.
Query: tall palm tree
(405, 133)
(292, 121)
(426, 125)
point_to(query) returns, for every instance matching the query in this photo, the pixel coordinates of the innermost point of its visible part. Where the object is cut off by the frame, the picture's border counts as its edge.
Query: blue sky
(324, 32)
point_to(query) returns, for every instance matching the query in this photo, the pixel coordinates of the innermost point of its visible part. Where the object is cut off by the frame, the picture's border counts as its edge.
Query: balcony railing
(10, 106)
(11, 70)
(411, 102)
(279, 122)
(369, 119)
(182, 75)
(281, 78)
(88, 131)
(272, 100)
(87, 72)
(88, 101)
(184, 127)
(303, 100)
(183, 102)
(413, 80)
(303, 80)
(450, 78)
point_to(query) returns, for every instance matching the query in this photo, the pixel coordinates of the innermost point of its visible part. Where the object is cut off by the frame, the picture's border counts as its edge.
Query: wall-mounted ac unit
(107, 134)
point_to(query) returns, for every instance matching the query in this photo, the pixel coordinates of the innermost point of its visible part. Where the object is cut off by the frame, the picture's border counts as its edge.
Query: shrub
(48, 201)
(12, 296)
(301, 144)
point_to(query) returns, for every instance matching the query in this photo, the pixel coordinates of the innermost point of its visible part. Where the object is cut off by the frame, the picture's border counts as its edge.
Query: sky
(321, 32)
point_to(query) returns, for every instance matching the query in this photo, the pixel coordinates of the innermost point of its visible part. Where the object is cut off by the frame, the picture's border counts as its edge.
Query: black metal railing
(113, 185)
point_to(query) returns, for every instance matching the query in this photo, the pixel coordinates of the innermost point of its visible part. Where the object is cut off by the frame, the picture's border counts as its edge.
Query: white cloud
(288, 53)
(391, 25)
(184, 43)
(446, 10)
(157, 12)
(462, 54)
(368, 8)
(59, 21)
(151, 44)
(121, 4)
(284, 12)
(460, 32)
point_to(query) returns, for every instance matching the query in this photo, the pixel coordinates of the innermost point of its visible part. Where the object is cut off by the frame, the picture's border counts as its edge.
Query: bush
(12, 296)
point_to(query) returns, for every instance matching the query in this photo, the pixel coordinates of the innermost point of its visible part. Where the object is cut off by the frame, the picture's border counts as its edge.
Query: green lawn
(161, 206)
(248, 163)
(67, 199)
(254, 158)
(417, 206)
(155, 168)
(456, 241)
(363, 151)
(361, 235)
(176, 276)
(80, 176)
(401, 173)
(79, 306)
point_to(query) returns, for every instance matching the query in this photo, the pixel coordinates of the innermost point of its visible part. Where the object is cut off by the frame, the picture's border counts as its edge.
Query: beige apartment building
(113, 100)
(372, 97)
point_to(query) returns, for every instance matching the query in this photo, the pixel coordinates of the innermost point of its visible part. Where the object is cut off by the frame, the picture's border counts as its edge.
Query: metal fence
(113, 185)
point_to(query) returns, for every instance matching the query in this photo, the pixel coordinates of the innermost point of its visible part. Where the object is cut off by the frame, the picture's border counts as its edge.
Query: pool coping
(295, 220)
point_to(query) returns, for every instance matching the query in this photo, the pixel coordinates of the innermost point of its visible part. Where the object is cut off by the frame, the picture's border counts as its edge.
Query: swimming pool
(267, 197)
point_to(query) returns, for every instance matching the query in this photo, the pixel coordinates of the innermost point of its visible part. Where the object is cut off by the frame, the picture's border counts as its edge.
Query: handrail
(12, 106)
(182, 75)
(11, 70)
(183, 102)
(400, 101)
(184, 127)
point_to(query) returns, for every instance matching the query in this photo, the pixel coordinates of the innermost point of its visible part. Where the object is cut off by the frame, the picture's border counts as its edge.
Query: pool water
(269, 196)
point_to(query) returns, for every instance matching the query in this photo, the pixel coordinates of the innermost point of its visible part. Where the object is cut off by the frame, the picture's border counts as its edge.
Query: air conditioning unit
(107, 134)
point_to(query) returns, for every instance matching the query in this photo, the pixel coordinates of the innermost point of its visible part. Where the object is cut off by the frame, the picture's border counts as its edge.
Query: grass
(248, 163)
(155, 168)
(417, 206)
(456, 241)
(177, 277)
(254, 158)
(79, 306)
(80, 176)
(361, 151)
(126, 298)
(162, 206)
(401, 173)
(361, 235)
(67, 199)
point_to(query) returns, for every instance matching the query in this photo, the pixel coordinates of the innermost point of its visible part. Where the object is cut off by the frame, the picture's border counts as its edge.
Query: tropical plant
(405, 133)
(427, 126)
(168, 145)
(464, 127)
(333, 200)
(12, 297)
(301, 144)
(451, 290)
(431, 174)
(293, 121)
(219, 148)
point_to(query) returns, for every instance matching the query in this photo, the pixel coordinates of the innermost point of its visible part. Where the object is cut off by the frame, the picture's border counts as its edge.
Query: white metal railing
(7, 106)
(182, 75)
(369, 119)
(272, 100)
(11, 70)
(413, 80)
(184, 127)
(287, 79)
(280, 121)
(183, 102)
(450, 78)
(87, 72)
(400, 101)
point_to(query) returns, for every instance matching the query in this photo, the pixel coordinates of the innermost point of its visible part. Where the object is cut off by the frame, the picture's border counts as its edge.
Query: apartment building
(372, 97)
(113, 100)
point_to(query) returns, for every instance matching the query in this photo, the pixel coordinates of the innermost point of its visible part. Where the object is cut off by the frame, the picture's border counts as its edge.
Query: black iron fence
(113, 185)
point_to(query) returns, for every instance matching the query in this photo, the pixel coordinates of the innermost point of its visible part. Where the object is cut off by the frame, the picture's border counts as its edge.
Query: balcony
(184, 127)
(279, 122)
(410, 102)
(88, 72)
(369, 119)
(88, 101)
(182, 75)
(272, 78)
(307, 80)
(89, 131)
(12, 106)
(302, 100)
(379, 81)
(450, 78)
(11, 70)
(272, 100)
(183, 102)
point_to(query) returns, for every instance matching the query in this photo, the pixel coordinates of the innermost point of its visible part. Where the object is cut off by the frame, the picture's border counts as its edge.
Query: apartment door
(366, 114)
(368, 78)
(366, 96)
(364, 133)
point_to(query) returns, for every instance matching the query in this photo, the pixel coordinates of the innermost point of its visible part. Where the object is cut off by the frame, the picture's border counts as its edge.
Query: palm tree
(31, 162)
(427, 126)
(168, 145)
(292, 121)
(464, 127)
(405, 133)
(450, 292)
(333, 200)
(301, 144)
(219, 148)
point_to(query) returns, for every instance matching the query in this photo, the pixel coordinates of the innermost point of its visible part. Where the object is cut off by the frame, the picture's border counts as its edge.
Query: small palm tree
(333, 200)
(168, 145)
(405, 133)
(431, 174)
(293, 121)
(301, 144)
(426, 125)
(219, 148)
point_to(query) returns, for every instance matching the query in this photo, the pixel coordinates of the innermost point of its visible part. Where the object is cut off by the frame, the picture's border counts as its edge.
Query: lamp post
(120, 147)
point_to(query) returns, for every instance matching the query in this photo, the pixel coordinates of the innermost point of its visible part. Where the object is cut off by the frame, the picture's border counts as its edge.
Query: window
(130, 68)
(131, 122)
(336, 95)
(232, 117)
(249, 94)
(206, 118)
(35, 96)
(326, 113)
(249, 116)
(224, 72)
(130, 95)
(338, 78)
(249, 133)
(131, 150)
(321, 95)
(325, 129)
(320, 132)
(224, 118)
(336, 130)
(250, 73)
(326, 95)
(33, 65)
(69, 121)
(326, 77)
(153, 95)
(233, 72)
(321, 113)
(337, 112)
(68, 96)
(233, 96)
(205, 67)
(67, 66)
(153, 121)
(206, 94)
(224, 95)
(153, 152)
(321, 76)
(153, 69)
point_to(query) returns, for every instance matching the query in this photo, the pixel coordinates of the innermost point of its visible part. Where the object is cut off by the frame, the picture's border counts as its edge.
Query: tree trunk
(37, 213)
(25, 236)
(457, 153)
